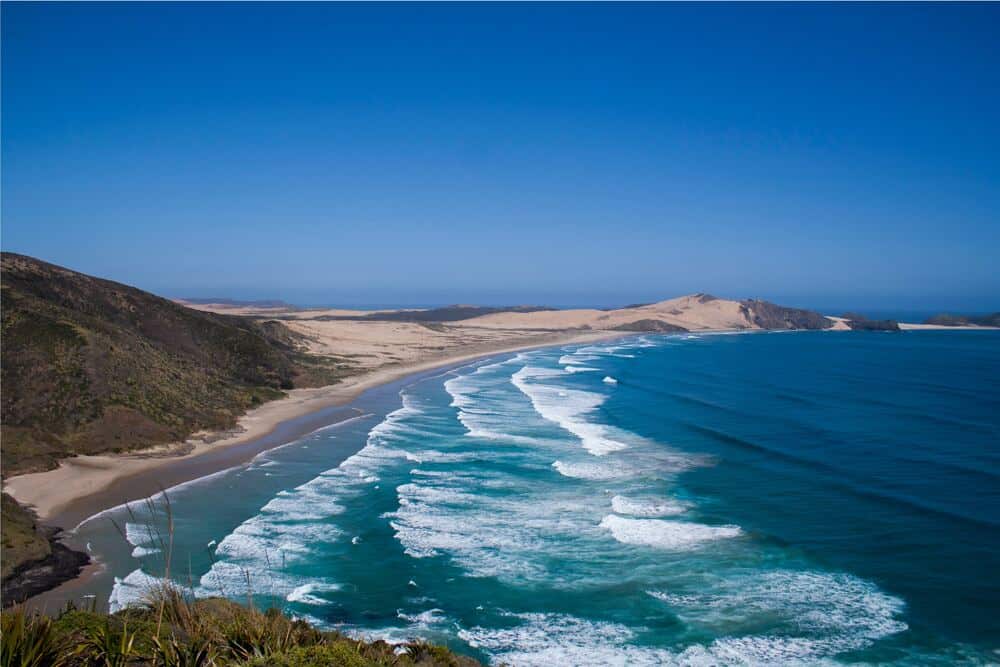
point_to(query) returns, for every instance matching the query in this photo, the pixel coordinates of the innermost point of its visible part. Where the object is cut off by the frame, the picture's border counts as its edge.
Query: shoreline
(84, 486)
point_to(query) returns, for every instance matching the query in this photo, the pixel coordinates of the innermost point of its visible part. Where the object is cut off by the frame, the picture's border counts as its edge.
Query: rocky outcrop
(33, 559)
(945, 320)
(767, 315)
(859, 322)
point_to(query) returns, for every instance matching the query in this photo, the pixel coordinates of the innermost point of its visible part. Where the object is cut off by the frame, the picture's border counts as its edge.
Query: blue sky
(815, 154)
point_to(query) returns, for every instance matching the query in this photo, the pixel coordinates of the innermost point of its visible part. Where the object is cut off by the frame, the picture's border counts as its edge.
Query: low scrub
(171, 631)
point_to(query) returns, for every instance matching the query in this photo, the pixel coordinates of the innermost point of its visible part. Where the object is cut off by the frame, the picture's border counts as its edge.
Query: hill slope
(90, 365)
(944, 319)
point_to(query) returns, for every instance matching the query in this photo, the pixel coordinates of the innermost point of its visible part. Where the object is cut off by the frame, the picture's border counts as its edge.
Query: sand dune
(694, 312)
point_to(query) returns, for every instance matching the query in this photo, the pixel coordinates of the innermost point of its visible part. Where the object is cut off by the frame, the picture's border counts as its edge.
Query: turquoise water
(697, 499)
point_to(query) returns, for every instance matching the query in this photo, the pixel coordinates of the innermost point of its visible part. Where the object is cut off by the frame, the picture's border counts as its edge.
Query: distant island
(945, 320)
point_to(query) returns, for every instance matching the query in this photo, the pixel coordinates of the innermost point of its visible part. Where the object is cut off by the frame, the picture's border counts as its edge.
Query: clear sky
(815, 154)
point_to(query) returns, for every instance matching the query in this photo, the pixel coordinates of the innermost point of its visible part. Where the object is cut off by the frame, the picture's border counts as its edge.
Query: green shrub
(174, 653)
(30, 641)
(107, 646)
(172, 631)
(339, 654)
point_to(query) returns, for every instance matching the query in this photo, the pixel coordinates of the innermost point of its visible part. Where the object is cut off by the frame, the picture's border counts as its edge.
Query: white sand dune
(694, 312)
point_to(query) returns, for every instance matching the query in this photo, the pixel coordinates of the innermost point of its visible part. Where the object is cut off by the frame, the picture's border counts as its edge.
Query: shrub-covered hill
(91, 366)
(170, 631)
(944, 319)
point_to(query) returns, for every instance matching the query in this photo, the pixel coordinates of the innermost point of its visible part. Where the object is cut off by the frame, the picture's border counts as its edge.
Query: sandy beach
(85, 485)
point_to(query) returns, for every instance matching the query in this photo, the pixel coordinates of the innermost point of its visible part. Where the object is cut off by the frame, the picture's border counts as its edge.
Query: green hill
(91, 366)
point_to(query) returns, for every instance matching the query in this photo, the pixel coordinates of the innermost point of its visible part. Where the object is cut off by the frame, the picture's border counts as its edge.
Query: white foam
(141, 534)
(542, 640)
(609, 380)
(409, 493)
(834, 612)
(568, 408)
(133, 590)
(304, 594)
(144, 537)
(577, 358)
(140, 551)
(487, 413)
(593, 470)
(647, 508)
(294, 523)
(424, 618)
(514, 535)
(662, 534)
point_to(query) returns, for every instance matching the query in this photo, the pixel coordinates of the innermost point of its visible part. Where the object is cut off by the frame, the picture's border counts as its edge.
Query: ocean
(752, 498)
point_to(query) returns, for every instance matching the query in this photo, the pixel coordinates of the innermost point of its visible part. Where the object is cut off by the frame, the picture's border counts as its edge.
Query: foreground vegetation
(171, 631)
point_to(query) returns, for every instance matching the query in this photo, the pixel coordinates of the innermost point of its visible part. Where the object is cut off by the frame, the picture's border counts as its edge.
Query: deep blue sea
(758, 498)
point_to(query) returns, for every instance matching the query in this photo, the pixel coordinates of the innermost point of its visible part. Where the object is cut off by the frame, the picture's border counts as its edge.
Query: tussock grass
(169, 630)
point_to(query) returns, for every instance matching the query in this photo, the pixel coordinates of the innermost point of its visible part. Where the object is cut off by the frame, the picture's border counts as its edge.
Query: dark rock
(859, 322)
(649, 325)
(34, 577)
(767, 315)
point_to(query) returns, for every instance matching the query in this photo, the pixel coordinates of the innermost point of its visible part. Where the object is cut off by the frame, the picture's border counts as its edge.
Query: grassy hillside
(171, 631)
(93, 366)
